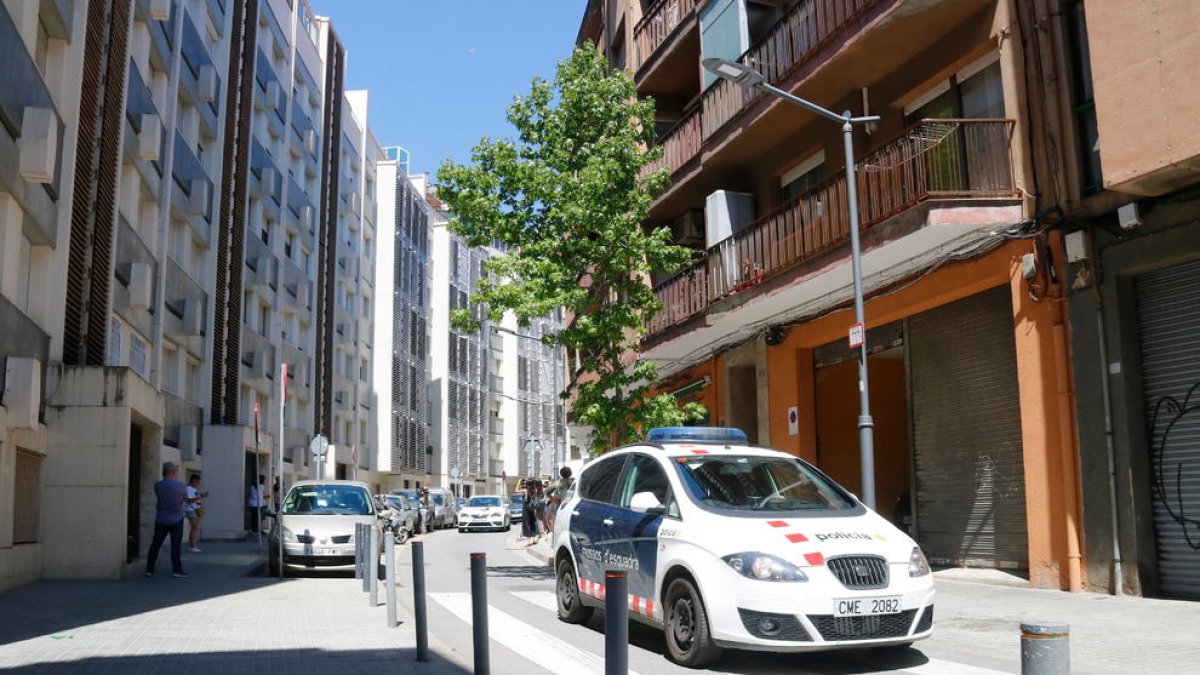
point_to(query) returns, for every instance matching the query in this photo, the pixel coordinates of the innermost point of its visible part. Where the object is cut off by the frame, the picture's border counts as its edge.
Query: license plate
(887, 604)
(324, 550)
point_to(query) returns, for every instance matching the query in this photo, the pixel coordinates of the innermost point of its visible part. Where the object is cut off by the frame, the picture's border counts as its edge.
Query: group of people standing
(176, 503)
(541, 504)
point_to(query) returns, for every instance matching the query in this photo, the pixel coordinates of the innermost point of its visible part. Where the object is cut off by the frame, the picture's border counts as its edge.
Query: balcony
(952, 162)
(663, 23)
(680, 146)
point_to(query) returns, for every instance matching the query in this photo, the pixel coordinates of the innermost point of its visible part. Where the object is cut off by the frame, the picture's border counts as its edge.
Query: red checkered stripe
(808, 549)
(637, 604)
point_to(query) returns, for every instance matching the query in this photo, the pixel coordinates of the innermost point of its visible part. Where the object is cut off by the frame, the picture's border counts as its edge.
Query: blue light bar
(727, 435)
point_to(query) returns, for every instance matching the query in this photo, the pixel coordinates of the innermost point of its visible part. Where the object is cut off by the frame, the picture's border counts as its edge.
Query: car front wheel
(570, 606)
(689, 642)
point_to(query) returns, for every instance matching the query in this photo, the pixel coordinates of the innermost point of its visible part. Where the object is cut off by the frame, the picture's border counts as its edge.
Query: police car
(728, 545)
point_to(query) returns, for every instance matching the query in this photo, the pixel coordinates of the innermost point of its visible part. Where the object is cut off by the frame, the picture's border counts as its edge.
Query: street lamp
(745, 76)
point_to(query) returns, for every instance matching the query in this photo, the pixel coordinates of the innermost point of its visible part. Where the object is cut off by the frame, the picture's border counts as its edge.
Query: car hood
(481, 510)
(805, 541)
(324, 527)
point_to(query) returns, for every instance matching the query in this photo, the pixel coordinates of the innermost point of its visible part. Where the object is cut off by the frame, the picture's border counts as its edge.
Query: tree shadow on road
(533, 572)
(298, 661)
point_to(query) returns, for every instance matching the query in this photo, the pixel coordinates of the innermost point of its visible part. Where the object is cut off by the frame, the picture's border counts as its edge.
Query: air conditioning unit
(150, 138)
(271, 98)
(198, 200)
(160, 10)
(266, 181)
(725, 214)
(193, 316)
(189, 441)
(22, 391)
(206, 83)
(141, 285)
(310, 141)
(258, 365)
(688, 229)
(38, 145)
(306, 218)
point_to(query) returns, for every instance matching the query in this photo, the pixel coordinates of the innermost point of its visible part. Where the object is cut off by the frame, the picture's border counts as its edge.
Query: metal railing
(955, 159)
(680, 145)
(798, 35)
(657, 24)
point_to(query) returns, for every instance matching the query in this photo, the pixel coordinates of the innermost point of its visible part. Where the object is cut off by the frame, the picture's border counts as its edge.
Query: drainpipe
(1066, 406)
(164, 198)
(1118, 583)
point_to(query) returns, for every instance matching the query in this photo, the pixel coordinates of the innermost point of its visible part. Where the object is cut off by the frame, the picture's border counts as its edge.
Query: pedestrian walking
(171, 496)
(255, 504)
(195, 512)
(552, 502)
(566, 483)
(539, 507)
(529, 524)
(426, 511)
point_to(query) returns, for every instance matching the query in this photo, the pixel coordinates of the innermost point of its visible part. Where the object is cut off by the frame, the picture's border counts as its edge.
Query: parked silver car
(317, 524)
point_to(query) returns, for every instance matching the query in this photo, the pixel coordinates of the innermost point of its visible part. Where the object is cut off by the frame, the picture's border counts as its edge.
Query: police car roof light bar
(726, 435)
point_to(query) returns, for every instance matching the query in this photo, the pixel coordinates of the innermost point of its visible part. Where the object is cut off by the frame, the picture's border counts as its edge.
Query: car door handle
(608, 521)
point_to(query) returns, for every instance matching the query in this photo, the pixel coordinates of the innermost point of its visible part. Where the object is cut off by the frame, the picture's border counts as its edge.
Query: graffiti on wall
(1166, 428)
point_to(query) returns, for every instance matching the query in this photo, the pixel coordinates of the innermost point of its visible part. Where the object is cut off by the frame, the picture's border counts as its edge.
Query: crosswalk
(538, 646)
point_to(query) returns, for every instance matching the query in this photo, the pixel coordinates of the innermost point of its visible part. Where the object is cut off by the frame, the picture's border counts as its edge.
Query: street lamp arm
(813, 107)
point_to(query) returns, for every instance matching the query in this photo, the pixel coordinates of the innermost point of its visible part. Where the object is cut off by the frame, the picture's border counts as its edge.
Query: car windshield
(517, 499)
(395, 501)
(484, 502)
(760, 484)
(438, 498)
(327, 500)
(411, 494)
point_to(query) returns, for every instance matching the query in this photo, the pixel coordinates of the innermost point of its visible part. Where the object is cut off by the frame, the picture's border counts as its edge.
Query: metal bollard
(358, 550)
(364, 540)
(479, 612)
(421, 620)
(1045, 649)
(616, 623)
(373, 566)
(389, 557)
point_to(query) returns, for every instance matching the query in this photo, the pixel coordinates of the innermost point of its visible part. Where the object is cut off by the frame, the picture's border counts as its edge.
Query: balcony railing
(680, 145)
(953, 159)
(797, 36)
(656, 26)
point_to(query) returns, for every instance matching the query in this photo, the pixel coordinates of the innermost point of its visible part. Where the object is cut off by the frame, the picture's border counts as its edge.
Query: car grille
(926, 621)
(306, 538)
(788, 627)
(876, 627)
(341, 539)
(860, 572)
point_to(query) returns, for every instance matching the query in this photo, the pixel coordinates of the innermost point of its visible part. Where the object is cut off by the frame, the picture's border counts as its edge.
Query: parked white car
(317, 523)
(727, 545)
(484, 512)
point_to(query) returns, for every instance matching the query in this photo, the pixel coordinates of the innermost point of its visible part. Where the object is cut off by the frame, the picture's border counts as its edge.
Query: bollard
(389, 567)
(1045, 649)
(365, 540)
(479, 612)
(373, 566)
(422, 627)
(616, 623)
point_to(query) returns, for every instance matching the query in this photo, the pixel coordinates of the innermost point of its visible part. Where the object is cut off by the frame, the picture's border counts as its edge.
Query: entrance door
(133, 496)
(1169, 329)
(968, 460)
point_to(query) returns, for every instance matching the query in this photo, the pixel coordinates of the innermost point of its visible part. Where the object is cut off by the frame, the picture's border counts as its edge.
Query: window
(803, 176)
(289, 244)
(599, 481)
(644, 474)
(1083, 100)
(137, 354)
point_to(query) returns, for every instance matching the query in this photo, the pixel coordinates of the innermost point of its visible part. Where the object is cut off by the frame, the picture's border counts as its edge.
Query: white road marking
(940, 667)
(533, 644)
(543, 599)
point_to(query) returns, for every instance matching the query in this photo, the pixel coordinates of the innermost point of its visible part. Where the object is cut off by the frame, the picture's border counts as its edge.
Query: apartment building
(169, 243)
(968, 359)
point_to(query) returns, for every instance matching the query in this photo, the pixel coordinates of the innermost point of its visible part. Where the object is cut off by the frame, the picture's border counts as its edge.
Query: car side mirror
(646, 502)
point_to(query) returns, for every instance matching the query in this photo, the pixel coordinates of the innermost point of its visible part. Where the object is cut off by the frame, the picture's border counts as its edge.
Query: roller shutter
(1169, 329)
(968, 464)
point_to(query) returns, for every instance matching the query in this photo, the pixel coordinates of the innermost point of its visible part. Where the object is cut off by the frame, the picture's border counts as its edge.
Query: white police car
(728, 545)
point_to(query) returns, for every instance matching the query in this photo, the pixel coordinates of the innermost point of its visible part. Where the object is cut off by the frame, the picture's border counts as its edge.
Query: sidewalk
(979, 613)
(217, 620)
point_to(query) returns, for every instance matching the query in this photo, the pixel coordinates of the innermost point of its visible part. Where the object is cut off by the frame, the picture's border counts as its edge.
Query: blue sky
(442, 72)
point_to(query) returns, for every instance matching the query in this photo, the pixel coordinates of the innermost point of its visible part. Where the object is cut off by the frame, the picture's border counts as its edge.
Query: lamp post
(745, 76)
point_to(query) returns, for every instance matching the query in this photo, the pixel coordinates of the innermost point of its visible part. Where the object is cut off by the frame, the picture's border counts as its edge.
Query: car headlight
(918, 566)
(764, 567)
(288, 535)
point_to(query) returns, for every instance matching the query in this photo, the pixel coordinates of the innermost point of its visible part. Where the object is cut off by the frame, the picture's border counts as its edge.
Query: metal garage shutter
(1169, 329)
(969, 470)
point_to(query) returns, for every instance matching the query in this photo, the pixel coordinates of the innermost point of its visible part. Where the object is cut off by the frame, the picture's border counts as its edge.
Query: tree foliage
(566, 198)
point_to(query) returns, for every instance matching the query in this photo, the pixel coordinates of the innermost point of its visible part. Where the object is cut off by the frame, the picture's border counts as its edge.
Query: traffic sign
(455, 473)
(319, 446)
(857, 334)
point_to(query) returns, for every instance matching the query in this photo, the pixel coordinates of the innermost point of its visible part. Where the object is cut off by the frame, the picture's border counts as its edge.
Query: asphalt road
(527, 638)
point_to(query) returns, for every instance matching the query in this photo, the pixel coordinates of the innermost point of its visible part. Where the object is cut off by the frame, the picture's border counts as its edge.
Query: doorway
(133, 496)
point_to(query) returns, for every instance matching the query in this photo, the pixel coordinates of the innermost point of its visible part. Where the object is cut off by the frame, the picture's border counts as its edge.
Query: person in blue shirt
(168, 521)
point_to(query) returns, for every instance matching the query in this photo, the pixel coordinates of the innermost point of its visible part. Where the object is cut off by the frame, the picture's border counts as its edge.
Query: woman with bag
(529, 524)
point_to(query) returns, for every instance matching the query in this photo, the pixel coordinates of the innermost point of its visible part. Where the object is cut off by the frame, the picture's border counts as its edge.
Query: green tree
(567, 198)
